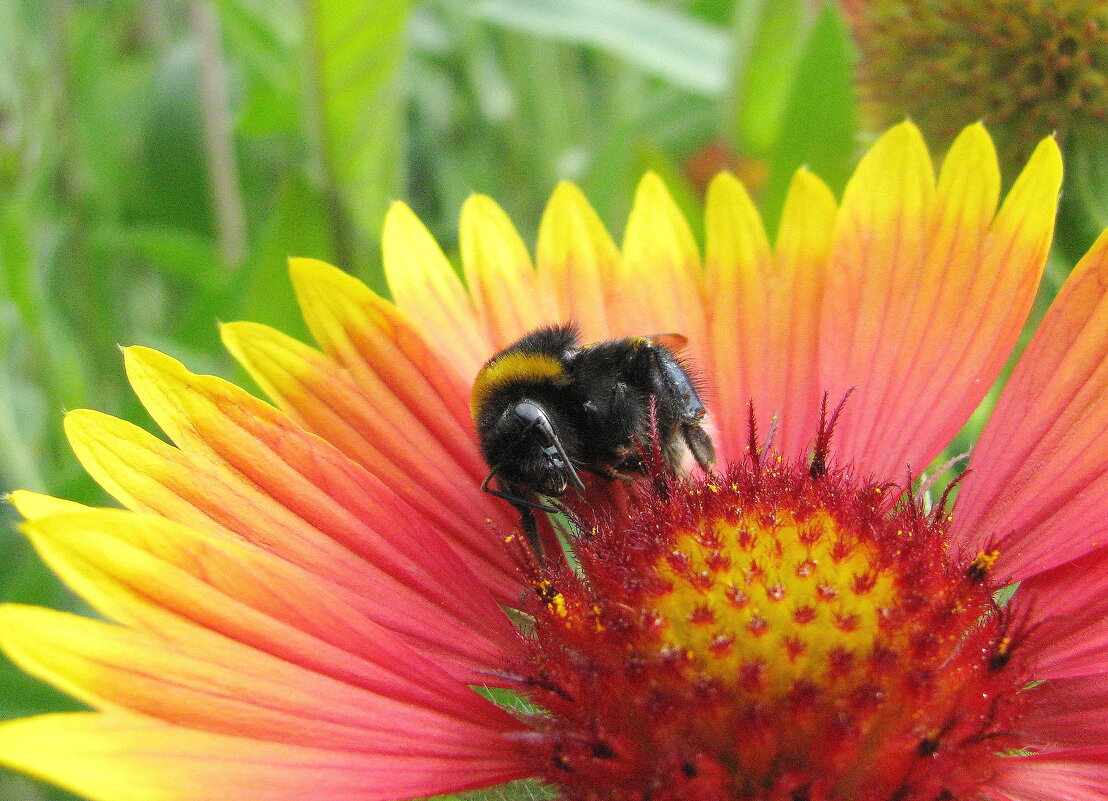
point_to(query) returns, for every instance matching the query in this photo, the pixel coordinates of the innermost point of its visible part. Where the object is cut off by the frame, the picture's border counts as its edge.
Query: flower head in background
(302, 598)
(1027, 69)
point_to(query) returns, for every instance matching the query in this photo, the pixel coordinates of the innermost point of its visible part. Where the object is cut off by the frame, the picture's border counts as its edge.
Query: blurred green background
(159, 159)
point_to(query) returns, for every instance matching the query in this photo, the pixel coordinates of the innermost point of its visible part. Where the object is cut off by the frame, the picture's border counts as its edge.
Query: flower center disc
(767, 635)
(802, 595)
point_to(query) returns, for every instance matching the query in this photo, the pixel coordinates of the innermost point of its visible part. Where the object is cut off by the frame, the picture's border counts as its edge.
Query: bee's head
(528, 450)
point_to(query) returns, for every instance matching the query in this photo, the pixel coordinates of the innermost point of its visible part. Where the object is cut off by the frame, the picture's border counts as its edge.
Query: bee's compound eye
(529, 412)
(534, 417)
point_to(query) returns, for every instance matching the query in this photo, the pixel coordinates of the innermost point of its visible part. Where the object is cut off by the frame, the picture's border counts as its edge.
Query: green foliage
(352, 53)
(769, 37)
(818, 126)
(681, 49)
(1084, 203)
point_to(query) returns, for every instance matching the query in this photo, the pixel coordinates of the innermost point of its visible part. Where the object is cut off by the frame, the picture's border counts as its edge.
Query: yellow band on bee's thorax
(512, 366)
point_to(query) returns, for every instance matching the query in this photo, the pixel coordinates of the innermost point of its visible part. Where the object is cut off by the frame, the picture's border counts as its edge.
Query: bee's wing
(674, 343)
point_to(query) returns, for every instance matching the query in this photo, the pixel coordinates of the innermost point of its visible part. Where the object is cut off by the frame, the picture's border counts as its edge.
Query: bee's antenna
(526, 515)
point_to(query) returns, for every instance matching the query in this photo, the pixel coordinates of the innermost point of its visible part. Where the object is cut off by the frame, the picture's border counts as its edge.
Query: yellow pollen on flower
(774, 603)
(554, 600)
(982, 564)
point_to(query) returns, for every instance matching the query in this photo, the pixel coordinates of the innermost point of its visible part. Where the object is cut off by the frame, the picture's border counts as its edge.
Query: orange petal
(662, 283)
(270, 481)
(499, 273)
(142, 570)
(927, 291)
(766, 310)
(426, 286)
(380, 433)
(736, 261)
(209, 682)
(875, 258)
(577, 263)
(1038, 478)
(128, 758)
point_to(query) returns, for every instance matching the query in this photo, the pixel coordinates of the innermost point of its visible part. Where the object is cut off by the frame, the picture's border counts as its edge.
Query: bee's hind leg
(676, 390)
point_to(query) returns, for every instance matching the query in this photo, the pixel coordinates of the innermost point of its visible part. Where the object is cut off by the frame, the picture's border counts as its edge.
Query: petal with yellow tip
(215, 420)
(927, 295)
(207, 681)
(499, 274)
(736, 262)
(426, 286)
(766, 310)
(130, 758)
(577, 263)
(661, 276)
(380, 346)
(927, 357)
(152, 573)
(875, 258)
(982, 317)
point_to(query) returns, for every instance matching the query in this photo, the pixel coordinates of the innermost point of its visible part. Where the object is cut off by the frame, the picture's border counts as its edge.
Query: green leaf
(21, 281)
(174, 173)
(1089, 180)
(175, 251)
(770, 38)
(656, 38)
(296, 227)
(264, 39)
(354, 53)
(819, 125)
(1083, 211)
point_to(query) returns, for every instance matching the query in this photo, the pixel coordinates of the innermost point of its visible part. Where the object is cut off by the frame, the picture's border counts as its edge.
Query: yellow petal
(128, 758)
(32, 504)
(499, 273)
(425, 286)
(737, 261)
(661, 276)
(577, 263)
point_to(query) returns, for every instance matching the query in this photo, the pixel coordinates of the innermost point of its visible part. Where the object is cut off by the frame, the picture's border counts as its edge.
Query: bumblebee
(547, 407)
